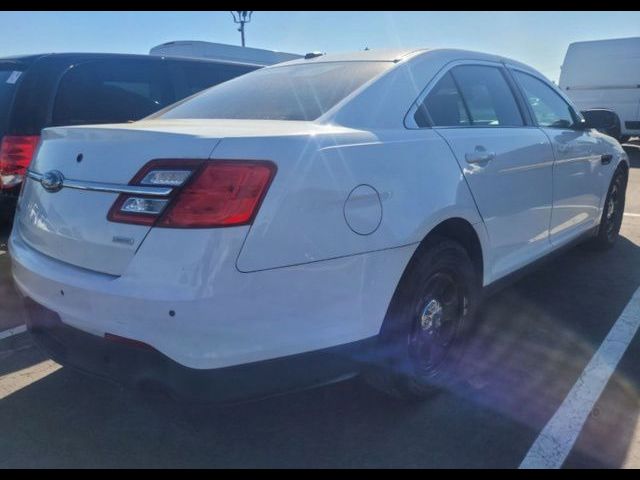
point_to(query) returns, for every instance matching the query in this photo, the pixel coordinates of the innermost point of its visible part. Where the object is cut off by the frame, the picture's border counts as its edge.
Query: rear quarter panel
(416, 180)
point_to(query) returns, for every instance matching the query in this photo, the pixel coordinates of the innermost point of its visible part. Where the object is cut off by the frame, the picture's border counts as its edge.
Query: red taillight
(219, 193)
(222, 194)
(16, 153)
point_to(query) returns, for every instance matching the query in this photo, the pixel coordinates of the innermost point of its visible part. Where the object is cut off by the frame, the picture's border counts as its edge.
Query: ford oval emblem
(52, 181)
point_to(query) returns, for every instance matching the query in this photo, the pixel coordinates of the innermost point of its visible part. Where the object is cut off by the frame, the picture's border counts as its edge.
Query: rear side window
(471, 95)
(444, 105)
(9, 78)
(487, 96)
(549, 108)
(293, 92)
(196, 76)
(111, 91)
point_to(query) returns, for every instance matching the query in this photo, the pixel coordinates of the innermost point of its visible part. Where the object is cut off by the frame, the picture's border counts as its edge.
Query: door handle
(479, 158)
(606, 159)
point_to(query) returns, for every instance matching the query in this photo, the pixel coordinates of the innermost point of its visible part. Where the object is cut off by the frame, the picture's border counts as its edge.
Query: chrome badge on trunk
(52, 181)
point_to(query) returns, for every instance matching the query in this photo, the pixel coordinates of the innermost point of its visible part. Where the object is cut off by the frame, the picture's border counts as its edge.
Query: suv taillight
(16, 153)
(206, 194)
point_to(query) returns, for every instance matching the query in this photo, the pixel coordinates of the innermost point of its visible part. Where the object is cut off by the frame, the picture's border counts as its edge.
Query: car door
(577, 171)
(506, 162)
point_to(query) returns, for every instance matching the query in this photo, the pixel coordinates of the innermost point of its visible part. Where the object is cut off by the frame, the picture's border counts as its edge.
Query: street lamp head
(242, 16)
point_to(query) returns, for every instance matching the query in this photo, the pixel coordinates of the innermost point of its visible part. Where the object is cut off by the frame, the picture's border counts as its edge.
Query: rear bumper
(135, 365)
(194, 306)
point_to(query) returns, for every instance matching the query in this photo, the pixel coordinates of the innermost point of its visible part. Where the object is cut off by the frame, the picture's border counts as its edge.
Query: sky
(539, 39)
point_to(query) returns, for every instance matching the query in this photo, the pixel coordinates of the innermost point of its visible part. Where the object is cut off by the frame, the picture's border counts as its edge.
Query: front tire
(423, 336)
(613, 212)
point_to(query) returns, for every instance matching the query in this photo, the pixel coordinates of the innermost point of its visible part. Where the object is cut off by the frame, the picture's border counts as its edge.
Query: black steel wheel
(424, 333)
(613, 211)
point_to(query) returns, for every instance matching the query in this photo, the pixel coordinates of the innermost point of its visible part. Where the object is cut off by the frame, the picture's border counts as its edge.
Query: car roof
(374, 55)
(80, 56)
(401, 54)
(24, 59)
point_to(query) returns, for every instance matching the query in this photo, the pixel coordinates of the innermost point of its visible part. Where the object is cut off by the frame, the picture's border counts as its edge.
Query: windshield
(295, 92)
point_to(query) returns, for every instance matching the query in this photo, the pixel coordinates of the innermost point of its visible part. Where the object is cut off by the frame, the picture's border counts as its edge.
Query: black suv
(38, 91)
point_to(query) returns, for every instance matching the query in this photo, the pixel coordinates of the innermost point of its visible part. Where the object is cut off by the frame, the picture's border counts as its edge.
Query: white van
(221, 51)
(605, 74)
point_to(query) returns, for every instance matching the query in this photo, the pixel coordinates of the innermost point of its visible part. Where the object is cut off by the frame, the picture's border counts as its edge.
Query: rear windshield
(294, 92)
(194, 77)
(9, 77)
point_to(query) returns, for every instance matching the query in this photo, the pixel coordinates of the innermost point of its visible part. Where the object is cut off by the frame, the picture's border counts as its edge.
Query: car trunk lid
(71, 224)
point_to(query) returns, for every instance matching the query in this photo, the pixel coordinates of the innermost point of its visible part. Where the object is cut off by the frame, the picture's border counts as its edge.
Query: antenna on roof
(311, 55)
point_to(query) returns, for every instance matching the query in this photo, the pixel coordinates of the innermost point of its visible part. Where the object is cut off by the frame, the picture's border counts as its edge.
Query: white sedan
(306, 222)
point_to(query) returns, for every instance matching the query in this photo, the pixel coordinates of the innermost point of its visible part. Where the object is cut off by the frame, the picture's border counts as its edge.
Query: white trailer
(220, 51)
(605, 74)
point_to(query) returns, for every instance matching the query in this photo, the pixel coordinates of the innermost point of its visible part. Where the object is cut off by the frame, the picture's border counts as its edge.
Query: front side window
(549, 108)
(443, 105)
(487, 96)
(293, 92)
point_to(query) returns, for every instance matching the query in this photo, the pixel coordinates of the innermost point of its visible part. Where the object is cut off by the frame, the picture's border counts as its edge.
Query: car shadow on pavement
(532, 342)
(11, 313)
(5, 229)
(535, 339)
(17, 353)
(68, 420)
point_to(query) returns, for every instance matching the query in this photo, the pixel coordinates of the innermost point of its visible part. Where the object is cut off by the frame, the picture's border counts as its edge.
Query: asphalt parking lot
(535, 339)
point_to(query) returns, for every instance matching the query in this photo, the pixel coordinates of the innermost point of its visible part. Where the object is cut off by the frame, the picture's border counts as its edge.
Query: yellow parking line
(15, 381)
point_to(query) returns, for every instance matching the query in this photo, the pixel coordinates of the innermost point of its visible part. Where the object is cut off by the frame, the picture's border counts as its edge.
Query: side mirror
(603, 120)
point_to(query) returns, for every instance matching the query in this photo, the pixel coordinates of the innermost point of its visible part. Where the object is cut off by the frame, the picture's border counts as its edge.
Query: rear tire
(612, 213)
(424, 333)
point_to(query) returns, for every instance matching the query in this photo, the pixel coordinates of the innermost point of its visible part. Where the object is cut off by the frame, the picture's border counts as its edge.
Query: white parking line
(632, 214)
(557, 438)
(12, 331)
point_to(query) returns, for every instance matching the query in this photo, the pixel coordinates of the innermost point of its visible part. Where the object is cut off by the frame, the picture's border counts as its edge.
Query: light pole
(241, 17)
